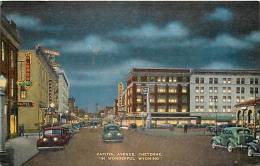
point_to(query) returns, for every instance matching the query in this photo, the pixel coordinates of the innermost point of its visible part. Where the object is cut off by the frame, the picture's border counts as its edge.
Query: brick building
(10, 42)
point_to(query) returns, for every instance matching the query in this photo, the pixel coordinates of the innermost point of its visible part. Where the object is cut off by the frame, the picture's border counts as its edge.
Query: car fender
(232, 141)
(216, 139)
(252, 145)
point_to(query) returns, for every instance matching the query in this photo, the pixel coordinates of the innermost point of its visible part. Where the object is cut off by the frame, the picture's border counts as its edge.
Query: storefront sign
(28, 67)
(25, 104)
(51, 52)
(24, 83)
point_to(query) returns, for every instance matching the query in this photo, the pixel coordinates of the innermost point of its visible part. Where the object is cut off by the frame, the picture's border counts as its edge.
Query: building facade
(63, 91)
(168, 95)
(10, 42)
(214, 93)
(37, 87)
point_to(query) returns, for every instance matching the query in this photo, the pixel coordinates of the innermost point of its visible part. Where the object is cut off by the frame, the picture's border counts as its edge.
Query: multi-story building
(71, 104)
(37, 89)
(10, 42)
(63, 91)
(168, 95)
(214, 93)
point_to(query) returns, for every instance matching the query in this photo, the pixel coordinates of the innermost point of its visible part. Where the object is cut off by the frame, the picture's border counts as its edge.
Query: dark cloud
(101, 41)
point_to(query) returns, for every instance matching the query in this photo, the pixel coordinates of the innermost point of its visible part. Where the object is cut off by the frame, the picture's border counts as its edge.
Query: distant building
(63, 90)
(10, 42)
(37, 87)
(71, 104)
(214, 93)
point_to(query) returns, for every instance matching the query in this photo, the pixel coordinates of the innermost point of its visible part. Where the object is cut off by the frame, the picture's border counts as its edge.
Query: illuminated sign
(51, 52)
(25, 104)
(24, 83)
(27, 67)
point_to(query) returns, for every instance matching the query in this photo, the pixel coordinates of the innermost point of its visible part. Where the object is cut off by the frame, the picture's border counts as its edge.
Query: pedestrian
(185, 128)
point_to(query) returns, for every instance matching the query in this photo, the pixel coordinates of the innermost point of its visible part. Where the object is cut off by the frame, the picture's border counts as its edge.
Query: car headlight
(119, 134)
(45, 139)
(55, 139)
(109, 134)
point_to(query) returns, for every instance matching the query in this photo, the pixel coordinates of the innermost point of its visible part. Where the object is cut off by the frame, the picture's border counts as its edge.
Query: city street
(87, 148)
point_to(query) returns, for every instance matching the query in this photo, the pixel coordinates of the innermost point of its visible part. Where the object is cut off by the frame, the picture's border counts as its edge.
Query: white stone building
(63, 91)
(213, 93)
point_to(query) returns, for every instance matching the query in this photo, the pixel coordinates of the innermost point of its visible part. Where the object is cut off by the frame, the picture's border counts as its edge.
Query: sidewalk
(24, 148)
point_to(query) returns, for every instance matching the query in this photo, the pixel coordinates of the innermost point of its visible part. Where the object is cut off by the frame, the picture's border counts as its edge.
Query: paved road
(137, 149)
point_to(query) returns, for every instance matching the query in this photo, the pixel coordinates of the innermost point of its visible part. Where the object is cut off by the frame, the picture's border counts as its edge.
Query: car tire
(230, 147)
(213, 145)
(250, 152)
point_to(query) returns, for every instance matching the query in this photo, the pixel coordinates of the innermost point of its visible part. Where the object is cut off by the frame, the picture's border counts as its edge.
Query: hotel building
(169, 95)
(37, 89)
(214, 93)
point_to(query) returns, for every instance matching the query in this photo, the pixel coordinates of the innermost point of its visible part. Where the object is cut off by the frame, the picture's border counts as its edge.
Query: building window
(242, 98)
(172, 100)
(161, 99)
(202, 99)
(139, 109)
(170, 79)
(197, 89)
(210, 89)
(197, 80)
(3, 51)
(224, 109)
(184, 89)
(201, 89)
(229, 81)
(242, 80)
(174, 79)
(224, 80)
(161, 89)
(139, 99)
(197, 99)
(238, 90)
(229, 99)
(197, 108)
(224, 90)
(172, 109)
(237, 99)
(12, 59)
(138, 79)
(159, 79)
(172, 89)
(229, 89)
(238, 80)
(163, 79)
(184, 108)
(256, 80)
(211, 80)
(161, 109)
(12, 88)
(202, 80)
(243, 90)
(215, 89)
(256, 90)
(138, 89)
(224, 98)
(201, 108)
(251, 80)
(251, 90)
(215, 80)
(23, 92)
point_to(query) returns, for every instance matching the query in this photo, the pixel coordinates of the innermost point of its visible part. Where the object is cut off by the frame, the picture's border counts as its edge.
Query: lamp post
(3, 84)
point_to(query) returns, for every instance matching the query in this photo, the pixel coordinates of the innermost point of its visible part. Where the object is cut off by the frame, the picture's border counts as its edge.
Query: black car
(253, 148)
(132, 126)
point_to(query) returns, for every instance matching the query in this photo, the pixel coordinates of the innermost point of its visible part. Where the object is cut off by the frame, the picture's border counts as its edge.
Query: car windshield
(243, 131)
(112, 128)
(53, 132)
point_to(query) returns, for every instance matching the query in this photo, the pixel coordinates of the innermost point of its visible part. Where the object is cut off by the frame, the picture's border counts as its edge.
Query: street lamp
(3, 83)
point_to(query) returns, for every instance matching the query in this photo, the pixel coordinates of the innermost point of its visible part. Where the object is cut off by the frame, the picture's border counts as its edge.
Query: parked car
(112, 133)
(125, 127)
(164, 126)
(53, 138)
(232, 137)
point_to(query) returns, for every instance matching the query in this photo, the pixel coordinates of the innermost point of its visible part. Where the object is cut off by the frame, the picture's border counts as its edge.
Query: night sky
(101, 41)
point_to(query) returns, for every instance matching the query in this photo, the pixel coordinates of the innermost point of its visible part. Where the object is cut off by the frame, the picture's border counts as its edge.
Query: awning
(247, 103)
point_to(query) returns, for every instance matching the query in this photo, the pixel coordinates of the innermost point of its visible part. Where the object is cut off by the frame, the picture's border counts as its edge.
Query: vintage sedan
(254, 148)
(232, 137)
(112, 133)
(53, 138)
